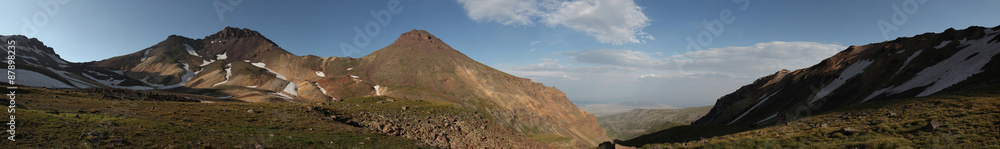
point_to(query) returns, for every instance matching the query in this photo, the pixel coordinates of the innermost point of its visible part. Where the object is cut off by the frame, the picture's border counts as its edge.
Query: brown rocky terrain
(435, 123)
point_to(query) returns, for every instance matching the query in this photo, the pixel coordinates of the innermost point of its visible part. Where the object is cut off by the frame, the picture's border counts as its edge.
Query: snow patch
(943, 43)
(349, 69)
(73, 81)
(229, 72)
(321, 89)
(251, 86)
(276, 74)
(960, 66)
(204, 62)
(35, 50)
(145, 55)
(188, 68)
(915, 54)
(355, 77)
(114, 83)
(848, 73)
(191, 50)
(768, 118)
(282, 95)
(377, 92)
(96, 73)
(292, 88)
(320, 74)
(222, 56)
(760, 100)
(184, 78)
(31, 78)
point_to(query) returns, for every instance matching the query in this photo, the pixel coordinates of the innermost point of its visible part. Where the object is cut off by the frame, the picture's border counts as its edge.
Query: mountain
(38, 65)
(907, 67)
(242, 64)
(420, 65)
(930, 90)
(636, 122)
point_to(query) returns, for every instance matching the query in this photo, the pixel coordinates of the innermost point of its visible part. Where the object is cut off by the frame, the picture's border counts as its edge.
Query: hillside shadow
(684, 133)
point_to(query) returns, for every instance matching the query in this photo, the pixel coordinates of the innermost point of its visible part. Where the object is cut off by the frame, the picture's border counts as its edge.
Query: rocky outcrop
(434, 125)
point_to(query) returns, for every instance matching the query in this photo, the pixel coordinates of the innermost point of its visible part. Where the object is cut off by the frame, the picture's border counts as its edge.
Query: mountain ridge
(242, 64)
(906, 67)
(861, 97)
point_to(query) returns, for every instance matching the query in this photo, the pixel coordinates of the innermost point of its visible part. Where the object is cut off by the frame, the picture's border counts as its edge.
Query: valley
(627, 125)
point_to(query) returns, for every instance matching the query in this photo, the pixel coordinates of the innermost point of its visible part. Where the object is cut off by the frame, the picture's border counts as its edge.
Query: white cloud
(608, 21)
(627, 58)
(759, 59)
(506, 12)
(569, 77)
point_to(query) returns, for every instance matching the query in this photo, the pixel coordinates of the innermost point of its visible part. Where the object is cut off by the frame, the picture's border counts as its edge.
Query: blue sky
(594, 50)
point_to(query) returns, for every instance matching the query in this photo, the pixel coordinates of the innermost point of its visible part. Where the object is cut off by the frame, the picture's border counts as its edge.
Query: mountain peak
(420, 37)
(233, 32)
(418, 43)
(417, 35)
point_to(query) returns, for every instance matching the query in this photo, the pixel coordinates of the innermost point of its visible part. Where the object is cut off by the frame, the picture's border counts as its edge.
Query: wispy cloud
(608, 21)
(761, 58)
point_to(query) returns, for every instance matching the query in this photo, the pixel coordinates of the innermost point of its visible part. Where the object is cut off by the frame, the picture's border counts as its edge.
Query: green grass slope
(967, 119)
(66, 119)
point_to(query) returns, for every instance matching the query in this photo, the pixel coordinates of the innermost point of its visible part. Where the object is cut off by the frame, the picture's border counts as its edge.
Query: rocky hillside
(637, 122)
(918, 66)
(242, 64)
